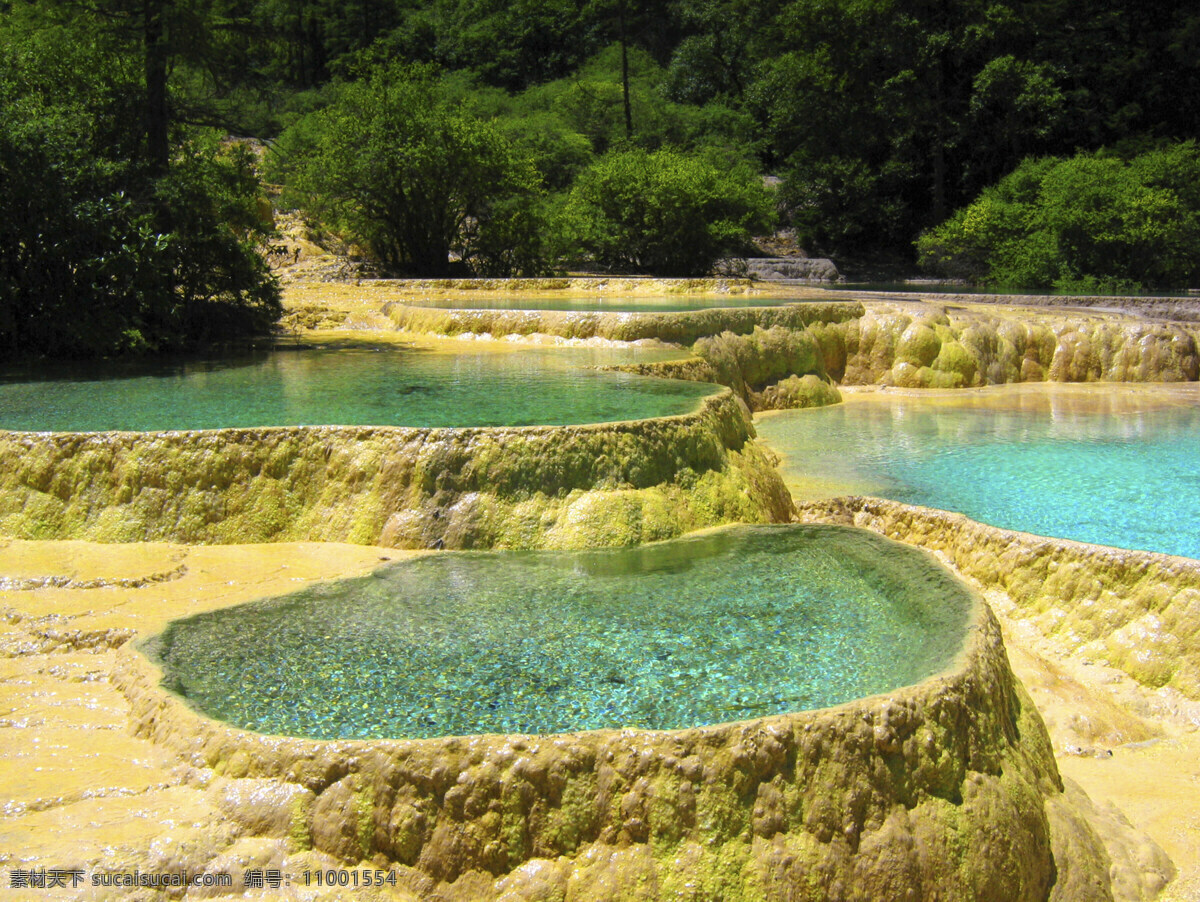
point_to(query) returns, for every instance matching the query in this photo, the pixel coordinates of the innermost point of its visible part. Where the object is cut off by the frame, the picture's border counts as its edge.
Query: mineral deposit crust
(944, 790)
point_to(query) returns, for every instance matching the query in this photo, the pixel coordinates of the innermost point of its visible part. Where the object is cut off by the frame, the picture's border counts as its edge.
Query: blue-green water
(602, 303)
(721, 627)
(347, 387)
(1126, 476)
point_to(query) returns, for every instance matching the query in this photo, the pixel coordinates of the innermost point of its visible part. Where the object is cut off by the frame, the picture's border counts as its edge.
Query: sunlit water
(346, 387)
(721, 627)
(1122, 471)
(603, 303)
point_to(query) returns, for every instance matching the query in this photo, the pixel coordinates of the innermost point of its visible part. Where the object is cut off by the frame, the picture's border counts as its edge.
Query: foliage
(1092, 222)
(664, 212)
(882, 116)
(99, 255)
(416, 177)
(507, 43)
(590, 104)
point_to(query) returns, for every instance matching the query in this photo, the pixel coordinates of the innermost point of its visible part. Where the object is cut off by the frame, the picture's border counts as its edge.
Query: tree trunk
(625, 70)
(157, 118)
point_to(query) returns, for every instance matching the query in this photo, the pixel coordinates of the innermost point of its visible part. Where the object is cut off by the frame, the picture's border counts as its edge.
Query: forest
(1025, 143)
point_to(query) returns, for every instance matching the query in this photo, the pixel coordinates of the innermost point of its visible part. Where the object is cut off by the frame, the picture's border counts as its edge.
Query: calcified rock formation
(682, 327)
(1135, 610)
(801, 269)
(938, 351)
(530, 487)
(1172, 309)
(947, 789)
(758, 351)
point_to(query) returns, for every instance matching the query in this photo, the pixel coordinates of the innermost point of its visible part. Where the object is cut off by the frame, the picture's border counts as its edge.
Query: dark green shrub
(394, 164)
(100, 255)
(666, 213)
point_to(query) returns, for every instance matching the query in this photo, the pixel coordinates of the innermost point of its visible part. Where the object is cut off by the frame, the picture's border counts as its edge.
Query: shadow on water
(132, 368)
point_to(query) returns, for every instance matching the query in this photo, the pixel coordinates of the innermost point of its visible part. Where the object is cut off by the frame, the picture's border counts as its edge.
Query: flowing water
(390, 386)
(723, 626)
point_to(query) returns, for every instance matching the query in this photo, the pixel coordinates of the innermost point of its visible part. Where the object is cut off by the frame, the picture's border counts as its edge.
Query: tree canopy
(1088, 223)
(664, 212)
(102, 251)
(414, 175)
(472, 133)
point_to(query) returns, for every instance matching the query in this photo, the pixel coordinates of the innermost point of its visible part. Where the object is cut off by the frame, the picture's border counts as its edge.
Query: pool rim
(975, 618)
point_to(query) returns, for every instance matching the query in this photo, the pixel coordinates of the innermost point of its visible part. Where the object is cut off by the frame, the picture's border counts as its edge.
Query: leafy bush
(666, 213)
(1089, 223)
(98, 256)
(397, 165)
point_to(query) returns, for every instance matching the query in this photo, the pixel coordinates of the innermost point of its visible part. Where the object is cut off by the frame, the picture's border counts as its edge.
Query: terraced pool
(386, 386)
(1106, 464)
(717, 627)
(615, 303)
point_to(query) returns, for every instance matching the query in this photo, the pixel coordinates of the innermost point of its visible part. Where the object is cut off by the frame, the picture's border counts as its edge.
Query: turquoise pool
(724, 626)
(616, 303)
(387, 386)
(1109, 465)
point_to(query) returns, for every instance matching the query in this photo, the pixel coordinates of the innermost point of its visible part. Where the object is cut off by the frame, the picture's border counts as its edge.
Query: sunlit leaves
(1091, 222)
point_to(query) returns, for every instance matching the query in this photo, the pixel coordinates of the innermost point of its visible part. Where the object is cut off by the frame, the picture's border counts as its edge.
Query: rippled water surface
(393, 386)
(724, 626)
(1108, 465)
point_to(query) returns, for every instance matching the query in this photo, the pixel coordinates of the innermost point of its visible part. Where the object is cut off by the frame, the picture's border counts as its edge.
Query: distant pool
(391, 386)
(603, 303)
(725, 626)
(1111, 465)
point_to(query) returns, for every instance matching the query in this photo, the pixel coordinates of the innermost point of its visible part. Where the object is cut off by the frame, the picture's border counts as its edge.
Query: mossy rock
(958, 362)
(919, 345)
(797, 392)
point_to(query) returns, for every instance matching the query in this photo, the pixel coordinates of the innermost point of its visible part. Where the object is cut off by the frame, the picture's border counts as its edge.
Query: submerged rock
(947, 789)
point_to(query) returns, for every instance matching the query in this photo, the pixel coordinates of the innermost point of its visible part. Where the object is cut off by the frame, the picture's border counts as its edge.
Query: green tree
(507, 43)
(100, 252)
(591, 103)
(885, 114)
(1091, 222)
(665, 212)
(396, 165)
(720, 49)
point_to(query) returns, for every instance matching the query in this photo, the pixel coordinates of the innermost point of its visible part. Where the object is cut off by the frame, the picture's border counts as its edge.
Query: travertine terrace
(948, 789)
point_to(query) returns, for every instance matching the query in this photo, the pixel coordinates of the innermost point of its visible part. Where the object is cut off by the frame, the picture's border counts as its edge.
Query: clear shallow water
(1074, 466)
(347, 387)
(603, 303)
(726, 626)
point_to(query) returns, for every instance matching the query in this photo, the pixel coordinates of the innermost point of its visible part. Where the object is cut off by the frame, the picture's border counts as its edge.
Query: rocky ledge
(943, 790)
(529, 487)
